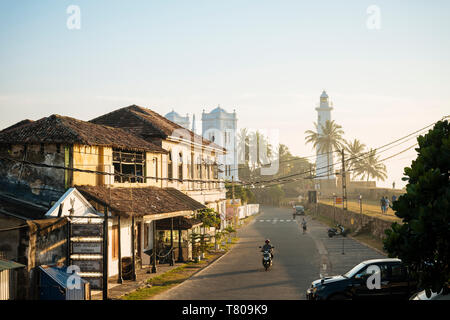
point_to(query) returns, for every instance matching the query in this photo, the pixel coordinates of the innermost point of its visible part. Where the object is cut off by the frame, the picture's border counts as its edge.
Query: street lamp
(334, 208)
(360, 204)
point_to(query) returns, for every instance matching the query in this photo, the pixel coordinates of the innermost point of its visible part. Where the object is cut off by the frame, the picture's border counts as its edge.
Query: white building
(220, 127)
(182, 121)
(324, 160)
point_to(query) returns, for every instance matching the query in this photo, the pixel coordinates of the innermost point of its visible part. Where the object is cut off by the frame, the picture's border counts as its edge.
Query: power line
(366, 154)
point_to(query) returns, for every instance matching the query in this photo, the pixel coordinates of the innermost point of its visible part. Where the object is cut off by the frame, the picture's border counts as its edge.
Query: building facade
(220, 127)
(180, 120)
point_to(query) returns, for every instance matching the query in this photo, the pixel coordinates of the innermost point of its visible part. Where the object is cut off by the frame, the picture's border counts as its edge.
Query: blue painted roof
(59, 275)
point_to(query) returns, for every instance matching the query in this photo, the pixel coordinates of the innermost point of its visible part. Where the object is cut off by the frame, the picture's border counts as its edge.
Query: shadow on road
(233, 273)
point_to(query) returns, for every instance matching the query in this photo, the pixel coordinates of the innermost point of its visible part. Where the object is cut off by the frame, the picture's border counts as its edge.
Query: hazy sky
(269, 60)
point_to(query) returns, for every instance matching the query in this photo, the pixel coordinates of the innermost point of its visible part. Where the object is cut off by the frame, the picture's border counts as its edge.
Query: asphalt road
(240, 275)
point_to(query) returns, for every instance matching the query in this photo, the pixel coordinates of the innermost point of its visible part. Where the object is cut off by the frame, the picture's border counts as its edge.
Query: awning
(8, 265)
(179, 223)
(141, 201)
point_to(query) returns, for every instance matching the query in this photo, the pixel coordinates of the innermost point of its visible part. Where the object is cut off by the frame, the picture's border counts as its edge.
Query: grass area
(176, 276)
(370, 209)
(370, 240)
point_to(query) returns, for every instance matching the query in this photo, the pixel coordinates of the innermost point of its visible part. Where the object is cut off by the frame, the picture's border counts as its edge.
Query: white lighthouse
(324, 159)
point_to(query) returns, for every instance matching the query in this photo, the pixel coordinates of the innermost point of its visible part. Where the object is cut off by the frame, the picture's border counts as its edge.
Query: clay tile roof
(147, 124)
(66, 130)
(18, 124)
(140, 201)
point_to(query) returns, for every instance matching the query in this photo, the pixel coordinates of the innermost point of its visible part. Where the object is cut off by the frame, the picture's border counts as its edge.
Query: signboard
(88, 265)
(87, 247)
(95, 282)
(87, 230)
(338, 200)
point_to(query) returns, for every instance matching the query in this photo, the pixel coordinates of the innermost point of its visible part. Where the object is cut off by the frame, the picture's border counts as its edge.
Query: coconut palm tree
(326, 140)
(355, 150)
(371, 167)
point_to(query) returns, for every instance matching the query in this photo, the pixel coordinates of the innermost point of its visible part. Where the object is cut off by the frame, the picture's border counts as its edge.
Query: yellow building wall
(92, 158)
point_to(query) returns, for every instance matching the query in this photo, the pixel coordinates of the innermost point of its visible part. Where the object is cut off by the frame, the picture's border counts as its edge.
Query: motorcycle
(339, 231)
(267, 259)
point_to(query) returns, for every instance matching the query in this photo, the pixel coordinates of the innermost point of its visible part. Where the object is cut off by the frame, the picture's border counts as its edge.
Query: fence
(243, 211)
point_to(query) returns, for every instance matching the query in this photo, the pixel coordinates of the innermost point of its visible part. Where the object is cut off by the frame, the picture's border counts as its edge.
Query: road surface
(298, 259)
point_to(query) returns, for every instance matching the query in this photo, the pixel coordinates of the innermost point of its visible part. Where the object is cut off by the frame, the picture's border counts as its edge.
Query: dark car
(395, 283)
(298, 211)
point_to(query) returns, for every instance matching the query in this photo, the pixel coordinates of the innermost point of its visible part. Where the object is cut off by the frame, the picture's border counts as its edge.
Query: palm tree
(371, 167)
(326, 140)
(355, 149)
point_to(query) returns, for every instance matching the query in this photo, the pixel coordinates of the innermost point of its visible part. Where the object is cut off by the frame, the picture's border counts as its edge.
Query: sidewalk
(115, 290)
(339, 254)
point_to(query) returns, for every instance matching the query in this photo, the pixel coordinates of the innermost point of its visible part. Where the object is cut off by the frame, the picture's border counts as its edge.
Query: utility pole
(105, 255)
(234, 207)
(344, 183)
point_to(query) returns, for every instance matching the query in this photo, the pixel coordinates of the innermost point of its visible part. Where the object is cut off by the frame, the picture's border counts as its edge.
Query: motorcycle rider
(304, 225)
(268, 247)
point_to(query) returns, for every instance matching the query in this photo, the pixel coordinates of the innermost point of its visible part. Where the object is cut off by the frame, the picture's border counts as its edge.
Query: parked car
(395, 283)
(434, 296)
(298, 211)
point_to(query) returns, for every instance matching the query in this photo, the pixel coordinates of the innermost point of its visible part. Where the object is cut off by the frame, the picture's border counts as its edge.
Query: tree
(355, 150)
(422, 240)
(326, 140)
(371, 167)
(209, 217)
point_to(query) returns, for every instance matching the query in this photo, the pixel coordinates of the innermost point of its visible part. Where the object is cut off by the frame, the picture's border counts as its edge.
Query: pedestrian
(386, 200)
(394, 198)
(382, 204)
(304, 225)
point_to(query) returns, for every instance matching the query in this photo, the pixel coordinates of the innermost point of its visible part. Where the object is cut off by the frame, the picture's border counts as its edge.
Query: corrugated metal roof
(8, 265)
(59, 275)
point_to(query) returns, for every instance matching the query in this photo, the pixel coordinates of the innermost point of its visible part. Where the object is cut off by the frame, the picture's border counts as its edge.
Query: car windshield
(354, 270)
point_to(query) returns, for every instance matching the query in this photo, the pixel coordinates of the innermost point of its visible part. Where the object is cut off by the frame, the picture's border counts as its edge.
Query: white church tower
(182, 121)
(220, 127)
(324, 160)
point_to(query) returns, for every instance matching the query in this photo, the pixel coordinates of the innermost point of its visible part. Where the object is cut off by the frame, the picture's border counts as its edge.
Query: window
(129, 166)
(180, 166)
(192, 166)
(146, 233)
(115, 242)
(215, 171)
(199, 168)
(155, 165)
(398, 273)
(169, 166)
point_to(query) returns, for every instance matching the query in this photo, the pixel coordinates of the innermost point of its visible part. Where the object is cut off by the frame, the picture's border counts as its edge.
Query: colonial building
(220, 127)
(191, 162)
(116, 170)
(180, 120)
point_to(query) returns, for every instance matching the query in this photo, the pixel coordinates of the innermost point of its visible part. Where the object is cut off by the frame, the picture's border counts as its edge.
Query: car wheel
(338, 297)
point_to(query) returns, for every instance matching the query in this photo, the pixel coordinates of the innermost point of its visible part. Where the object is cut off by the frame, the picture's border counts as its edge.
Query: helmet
(267, 241)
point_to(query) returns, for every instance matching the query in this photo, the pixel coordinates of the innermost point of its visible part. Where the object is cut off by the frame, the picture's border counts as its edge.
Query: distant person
(394, 198)
(386, 200)
(304, 225)
(382, 204)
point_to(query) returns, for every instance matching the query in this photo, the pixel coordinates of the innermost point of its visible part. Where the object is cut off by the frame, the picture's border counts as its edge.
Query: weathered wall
(38, 182)
(372, 225)
(92, 158)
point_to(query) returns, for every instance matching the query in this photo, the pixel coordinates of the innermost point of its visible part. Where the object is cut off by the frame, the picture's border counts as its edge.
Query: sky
(268, 60)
